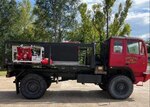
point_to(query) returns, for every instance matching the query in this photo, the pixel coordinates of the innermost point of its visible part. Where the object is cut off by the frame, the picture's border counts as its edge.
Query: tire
(103, 86)
(120, 87)
(48, 82)
(33, 86)
(48, 85)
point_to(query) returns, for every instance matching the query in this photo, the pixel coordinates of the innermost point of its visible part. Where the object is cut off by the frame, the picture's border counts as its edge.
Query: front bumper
(145, 77)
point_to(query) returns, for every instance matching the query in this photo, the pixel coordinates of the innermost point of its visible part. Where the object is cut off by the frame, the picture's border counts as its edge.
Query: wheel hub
(32, 86)
(121, 86)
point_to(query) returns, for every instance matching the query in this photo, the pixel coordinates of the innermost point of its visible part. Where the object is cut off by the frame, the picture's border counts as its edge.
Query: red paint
(24, 53)
(45, 61)
(116, 59)
(146, 77)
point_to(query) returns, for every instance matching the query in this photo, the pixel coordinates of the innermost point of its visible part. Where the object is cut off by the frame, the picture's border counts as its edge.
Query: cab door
(117, 53)
(136, 57)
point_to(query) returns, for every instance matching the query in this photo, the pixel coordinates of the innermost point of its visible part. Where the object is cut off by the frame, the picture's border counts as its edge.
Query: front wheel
(33, 86)
(120, 87)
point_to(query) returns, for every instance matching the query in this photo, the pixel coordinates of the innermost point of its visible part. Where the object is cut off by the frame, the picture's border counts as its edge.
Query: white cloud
(145, 37)
(91, 1)
(142, 17)
(139, 2)
(146, 9)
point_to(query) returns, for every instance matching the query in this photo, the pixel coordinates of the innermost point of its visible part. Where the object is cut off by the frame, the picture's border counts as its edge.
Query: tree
(15, 22)
(119, 27)
(96, 22)
(87, 30)
(84, 32)
(56, 17)
(99, 22)
(8, 17)
(102, 17)
(24, 25)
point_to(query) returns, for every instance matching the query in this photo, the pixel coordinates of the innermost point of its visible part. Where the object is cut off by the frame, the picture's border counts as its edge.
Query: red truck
(121, 63)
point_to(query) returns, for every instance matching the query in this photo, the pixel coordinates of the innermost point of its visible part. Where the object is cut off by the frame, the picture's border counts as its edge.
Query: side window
(133, 47)
(118, 46)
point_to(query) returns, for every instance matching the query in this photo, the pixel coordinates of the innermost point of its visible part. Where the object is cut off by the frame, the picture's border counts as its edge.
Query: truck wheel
(33, 86)
(103, 86)
(120, 87)
(48, 85)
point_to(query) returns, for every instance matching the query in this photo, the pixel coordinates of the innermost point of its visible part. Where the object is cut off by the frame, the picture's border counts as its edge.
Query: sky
(138, 16)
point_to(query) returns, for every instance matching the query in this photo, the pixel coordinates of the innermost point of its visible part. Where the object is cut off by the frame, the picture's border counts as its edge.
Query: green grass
(2, 73)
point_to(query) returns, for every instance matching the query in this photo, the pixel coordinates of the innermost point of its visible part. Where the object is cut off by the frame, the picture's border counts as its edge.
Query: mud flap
(17, 86)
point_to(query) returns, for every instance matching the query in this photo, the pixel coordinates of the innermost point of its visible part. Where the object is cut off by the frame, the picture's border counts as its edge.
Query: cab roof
(124, 37)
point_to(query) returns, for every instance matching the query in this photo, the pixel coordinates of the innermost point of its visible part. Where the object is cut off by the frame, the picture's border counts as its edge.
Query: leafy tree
(24, 25)
(119, 27)
(99, 21)
(8, 17)
(102, 16)
(42, 31)
(15, 22)
(56, 17)
(84, 32)
(93, 25)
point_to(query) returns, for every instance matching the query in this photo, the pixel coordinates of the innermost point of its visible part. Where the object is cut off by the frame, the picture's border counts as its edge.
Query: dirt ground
(72, 94)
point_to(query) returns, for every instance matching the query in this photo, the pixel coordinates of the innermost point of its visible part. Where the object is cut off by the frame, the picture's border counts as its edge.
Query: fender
(122, 70)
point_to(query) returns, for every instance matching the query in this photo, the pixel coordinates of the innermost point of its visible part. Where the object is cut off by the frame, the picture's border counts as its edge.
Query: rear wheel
(48, 82)
(120, 87)
(33, 86)
(48, 85)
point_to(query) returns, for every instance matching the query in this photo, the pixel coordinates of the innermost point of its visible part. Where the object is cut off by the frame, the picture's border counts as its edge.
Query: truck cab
(128, 53)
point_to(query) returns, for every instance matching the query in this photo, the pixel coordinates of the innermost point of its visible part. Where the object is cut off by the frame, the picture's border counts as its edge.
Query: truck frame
(121, 63)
